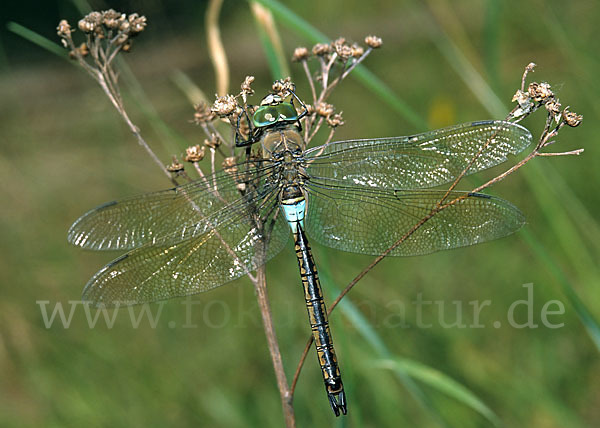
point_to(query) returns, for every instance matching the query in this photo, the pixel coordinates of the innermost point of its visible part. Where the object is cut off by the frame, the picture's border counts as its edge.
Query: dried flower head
(283, 87)
(230, 164)
(86, 26)
(194, 153)
(310, 109)
(80, 51)
(373, 41)
(111, 18)
(571, 118)
(357, 50)
(137, 23)
(321, 49)
(224, 106)
(553, 107)
(175, 166)
(324, 109)
(63, 29)
(341, 48)
(214, 141)
(246, 88)
(335, 120)
(300, 54)
(540, 91)
(203, 113)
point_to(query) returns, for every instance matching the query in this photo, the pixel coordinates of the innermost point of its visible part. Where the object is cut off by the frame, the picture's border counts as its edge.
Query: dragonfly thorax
(278, 141)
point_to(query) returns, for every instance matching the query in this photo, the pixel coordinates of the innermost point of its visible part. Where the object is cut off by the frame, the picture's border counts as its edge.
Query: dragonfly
(359, 196)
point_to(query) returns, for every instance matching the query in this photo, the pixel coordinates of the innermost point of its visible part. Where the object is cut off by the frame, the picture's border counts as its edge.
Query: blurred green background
(64, 150)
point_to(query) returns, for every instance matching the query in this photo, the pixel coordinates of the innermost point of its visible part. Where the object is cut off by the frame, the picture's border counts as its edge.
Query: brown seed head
(357, 51)
(321, 49)
(86, 25)
(203, 113)
(300, 54)
(310, 109)
(112, 19)
(373, 41)
(194, 153)
(124, 26)
(111, 14)
(63, 29)
(214, 141)
(122, 39)
(82, 51)
(224, 106)
(230, 164)
(111, 23)
(246, 88)
(553, 107)
(341, 48)
(137, 23)
(283, 87)
(175, 166)
(335, 120)
(540, 91)
(324, 109)
(571, 118)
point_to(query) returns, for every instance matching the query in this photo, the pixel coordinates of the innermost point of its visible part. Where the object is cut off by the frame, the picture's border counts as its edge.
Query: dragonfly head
(273, 110)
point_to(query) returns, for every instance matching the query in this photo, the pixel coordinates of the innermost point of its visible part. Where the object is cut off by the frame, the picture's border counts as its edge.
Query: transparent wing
(149, 218)
(190, 266)
(368, 221)
(420, 161)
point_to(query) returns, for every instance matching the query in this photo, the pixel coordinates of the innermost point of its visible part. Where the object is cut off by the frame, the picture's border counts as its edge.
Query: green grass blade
(37, 39)
(438, 380)
(469, 74)
(381, 350)
(271, 41)
(386, 94)
(588, 320)
(294, 22)
(188, 87)
(361, 73)
(491, 37)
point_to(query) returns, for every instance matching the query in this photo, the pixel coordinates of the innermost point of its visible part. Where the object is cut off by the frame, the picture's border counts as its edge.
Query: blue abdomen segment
(294, 212)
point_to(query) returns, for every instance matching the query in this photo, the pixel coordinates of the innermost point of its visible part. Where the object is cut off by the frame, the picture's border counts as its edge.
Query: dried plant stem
(310, 81)
(215, 46)
(260, 285)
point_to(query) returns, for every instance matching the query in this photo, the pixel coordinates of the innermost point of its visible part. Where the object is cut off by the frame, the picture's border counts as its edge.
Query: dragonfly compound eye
(269, 114)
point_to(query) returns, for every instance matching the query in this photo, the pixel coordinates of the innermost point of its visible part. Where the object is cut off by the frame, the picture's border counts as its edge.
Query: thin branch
(260, 285)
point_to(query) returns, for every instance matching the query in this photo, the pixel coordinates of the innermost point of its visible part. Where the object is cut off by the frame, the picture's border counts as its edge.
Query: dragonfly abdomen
(317, 314)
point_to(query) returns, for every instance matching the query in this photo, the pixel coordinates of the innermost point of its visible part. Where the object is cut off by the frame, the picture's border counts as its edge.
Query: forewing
(190, 266)
(420, 161)
(369, 221)
(151, 217)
